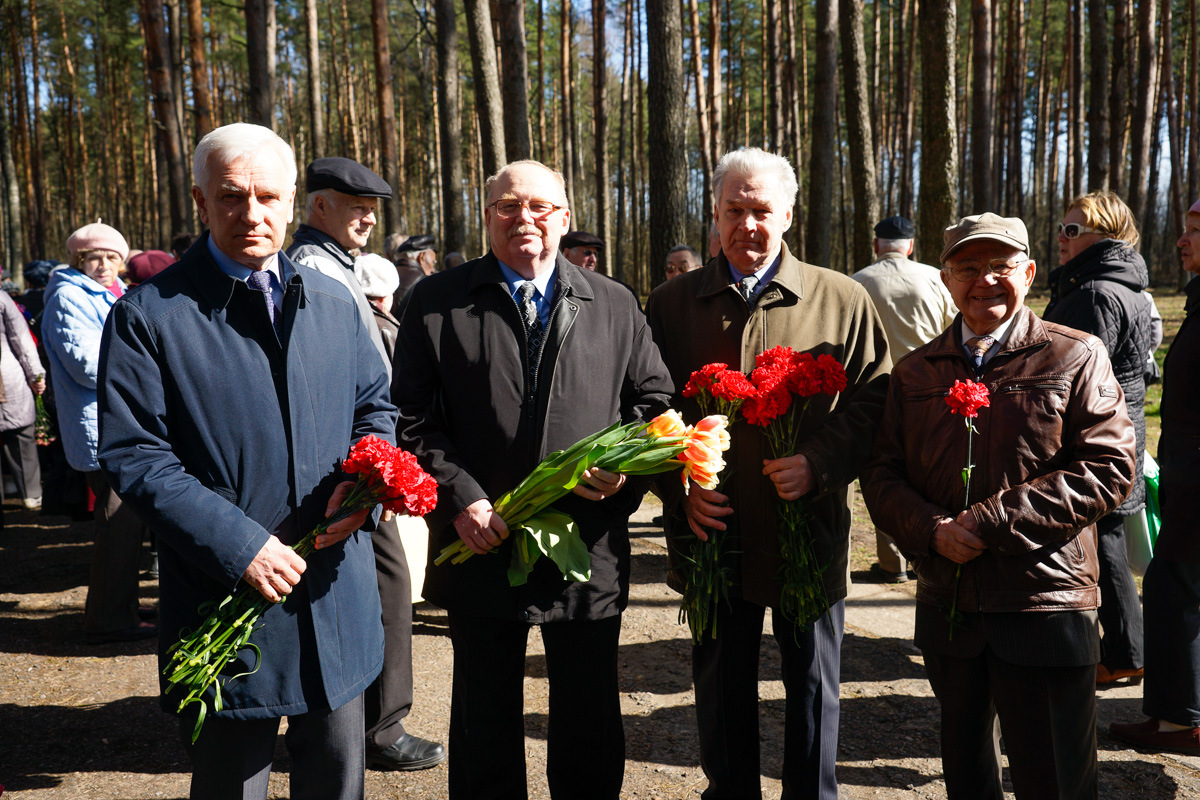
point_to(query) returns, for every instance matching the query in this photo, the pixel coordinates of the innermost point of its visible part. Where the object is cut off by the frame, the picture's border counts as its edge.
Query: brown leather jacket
(1054, 453)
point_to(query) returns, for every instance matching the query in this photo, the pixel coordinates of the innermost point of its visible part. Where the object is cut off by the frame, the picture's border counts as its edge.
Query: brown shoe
(1147, 736)
(1104, 677)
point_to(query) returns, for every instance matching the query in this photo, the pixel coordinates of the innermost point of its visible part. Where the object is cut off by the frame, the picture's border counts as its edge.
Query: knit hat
(98, 236)
(377, 275)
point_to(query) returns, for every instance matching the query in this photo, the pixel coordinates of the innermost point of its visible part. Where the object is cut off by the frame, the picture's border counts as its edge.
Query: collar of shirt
(764, 275)
(543, 285)
(1000, 334)
(240, 272)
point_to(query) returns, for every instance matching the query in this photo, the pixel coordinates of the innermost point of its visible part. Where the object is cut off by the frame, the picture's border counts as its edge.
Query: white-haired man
(231, 387)
(754, 296)
(915, 307)
(499, 363)
(341, 203)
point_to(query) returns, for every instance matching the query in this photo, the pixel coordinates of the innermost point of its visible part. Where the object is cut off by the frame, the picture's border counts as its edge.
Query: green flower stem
(954, 615)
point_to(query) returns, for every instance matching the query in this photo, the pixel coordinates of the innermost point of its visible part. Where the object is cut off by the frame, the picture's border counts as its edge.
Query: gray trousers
(21, 459)
(387, 701)
(112, 598)
(232, 758)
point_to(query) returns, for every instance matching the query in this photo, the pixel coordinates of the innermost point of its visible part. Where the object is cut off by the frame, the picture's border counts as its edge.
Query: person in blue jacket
(232, 385)
(78, 300)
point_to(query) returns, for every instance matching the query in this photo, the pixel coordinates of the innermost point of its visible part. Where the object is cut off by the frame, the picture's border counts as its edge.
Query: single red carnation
(781, 355)
(732, 385)
(702, 379)
(768, 404)
(831, 374)
(966, 398)
(365, 455)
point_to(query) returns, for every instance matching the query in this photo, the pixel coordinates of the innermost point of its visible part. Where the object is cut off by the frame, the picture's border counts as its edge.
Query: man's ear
(201, 204)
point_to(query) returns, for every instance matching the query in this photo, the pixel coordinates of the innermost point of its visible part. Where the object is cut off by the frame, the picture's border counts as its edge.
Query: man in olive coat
(500, 362)
(754, 296)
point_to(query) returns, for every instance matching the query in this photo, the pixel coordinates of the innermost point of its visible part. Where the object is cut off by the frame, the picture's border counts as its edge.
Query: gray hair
(558, 177)
(750, 162)
(892, 246)
(680, 248)
(232, 142)
(310, 202)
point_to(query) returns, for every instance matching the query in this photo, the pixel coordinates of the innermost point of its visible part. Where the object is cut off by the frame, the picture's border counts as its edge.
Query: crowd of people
(207, 397)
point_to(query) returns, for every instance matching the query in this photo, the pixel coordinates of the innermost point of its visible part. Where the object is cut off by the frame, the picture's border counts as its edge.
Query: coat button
(525, 615)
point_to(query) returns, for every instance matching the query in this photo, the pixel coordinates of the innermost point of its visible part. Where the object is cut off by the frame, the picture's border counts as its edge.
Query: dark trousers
(725, 672)
(387, 701)
(1047, 716)
(112, 598)
(1120, 610)
(1171, 590)
(232, 758)
(586, 741)
(21, 459)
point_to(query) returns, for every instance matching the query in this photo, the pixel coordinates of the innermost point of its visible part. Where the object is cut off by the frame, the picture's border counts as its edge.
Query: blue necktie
(260, 280)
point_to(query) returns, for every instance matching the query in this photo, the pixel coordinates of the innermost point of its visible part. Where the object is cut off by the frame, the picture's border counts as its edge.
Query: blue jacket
(218, 436)
(76, 307)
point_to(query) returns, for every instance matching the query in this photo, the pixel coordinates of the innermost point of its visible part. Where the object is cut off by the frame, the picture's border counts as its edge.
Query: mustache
(524, 230)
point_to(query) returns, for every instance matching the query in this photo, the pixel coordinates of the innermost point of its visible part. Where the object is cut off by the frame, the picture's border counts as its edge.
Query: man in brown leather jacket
(1016, 560)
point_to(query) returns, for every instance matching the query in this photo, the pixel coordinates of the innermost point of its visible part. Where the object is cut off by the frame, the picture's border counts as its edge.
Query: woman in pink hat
(78, 300)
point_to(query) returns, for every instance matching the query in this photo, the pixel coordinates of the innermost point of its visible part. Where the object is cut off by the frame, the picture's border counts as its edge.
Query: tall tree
(316, 113)
(1075, 116)
(982, 107)
(938, 21)
(201, 99)
(1118, 98)
(858, 130)
(1097, 111)
(600, 134)
(514, 87)
(1144, 111)
(567, 101)
(706, 149)
(262, 101)
(818, 240)
(454, 227)
(487, 84)
(169, 137)
(774, 70)
(665, 141)
(380, 29)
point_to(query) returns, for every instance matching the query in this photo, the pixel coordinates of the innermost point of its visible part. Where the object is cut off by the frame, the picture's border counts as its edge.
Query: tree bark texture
(1144, 111)
(201, 98)
(982, 108)
(1097, 112)
(316, 111)
(261, 87)
(936, 208)
(169, 136)
(487, 84)
(818, 240)
(665, 146)
(386, 103)
(514, 86)
(600, 132)
(858, 133)
(454, 230)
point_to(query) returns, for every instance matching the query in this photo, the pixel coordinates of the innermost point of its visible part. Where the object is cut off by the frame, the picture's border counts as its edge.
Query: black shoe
(407, 753)
(152, 570)
(143, 630)
(882, 575)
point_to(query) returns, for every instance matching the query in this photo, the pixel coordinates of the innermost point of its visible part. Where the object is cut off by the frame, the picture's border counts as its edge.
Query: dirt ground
(80, 721)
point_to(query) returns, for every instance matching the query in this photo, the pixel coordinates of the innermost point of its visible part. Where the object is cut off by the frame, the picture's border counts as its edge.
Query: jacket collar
(215, 286)
(306, 234)
(485, 271)
(714, 278)
(1027, 331)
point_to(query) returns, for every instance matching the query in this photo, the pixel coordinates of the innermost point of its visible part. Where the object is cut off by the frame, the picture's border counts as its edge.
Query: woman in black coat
(1099, 289)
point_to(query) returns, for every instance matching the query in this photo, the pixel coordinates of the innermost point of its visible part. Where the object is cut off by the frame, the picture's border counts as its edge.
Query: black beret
(415, 244)
(895, 228)
(346, 176)
(581, 239)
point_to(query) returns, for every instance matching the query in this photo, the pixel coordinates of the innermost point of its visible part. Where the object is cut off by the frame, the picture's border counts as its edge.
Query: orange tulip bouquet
(385, 474)
(638, 448)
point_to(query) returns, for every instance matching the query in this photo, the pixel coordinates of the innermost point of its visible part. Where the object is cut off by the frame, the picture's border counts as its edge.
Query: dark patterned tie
(746, 288)
(260, 280)
(976, 348)
(533, 330)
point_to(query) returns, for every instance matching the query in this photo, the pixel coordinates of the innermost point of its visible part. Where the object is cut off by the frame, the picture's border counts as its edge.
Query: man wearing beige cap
(1006, 595)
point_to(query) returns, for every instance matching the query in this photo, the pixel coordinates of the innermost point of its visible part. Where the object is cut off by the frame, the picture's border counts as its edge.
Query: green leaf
(525, 554)
(557, 537)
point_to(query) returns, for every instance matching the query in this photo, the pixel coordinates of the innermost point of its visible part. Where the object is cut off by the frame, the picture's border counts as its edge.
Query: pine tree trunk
(817, 238)
(312, 50)
(600, 117)
(937, 20)
(454, 228)
(858, 132)
(487, 84)
(982, 107)
(514, 87)
(1097, 113)
(385, 102)
(702, 115)
(1118, 99)
(665, 147)
(716, 100)
(169, 138)
(1144, 112)
(201, 98)
(1077, 114)
(565, 57)
(261, 88)
(774, 77)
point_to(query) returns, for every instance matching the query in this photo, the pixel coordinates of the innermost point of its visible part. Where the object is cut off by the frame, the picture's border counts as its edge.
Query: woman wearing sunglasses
(1099, 289)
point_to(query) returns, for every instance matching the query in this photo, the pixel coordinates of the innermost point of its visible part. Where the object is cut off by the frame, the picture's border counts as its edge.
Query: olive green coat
(699, 318)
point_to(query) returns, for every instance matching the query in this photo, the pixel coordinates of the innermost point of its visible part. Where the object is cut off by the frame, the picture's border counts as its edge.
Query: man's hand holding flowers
(597, 484)
(956, 538)
(792, 476)
(704, 508)
(480, 527)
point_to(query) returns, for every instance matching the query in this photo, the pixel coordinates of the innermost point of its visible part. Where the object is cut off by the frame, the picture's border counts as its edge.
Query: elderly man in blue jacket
(231, 387)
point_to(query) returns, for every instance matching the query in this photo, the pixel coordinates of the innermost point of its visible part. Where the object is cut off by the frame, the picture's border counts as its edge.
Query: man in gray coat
(341, 202)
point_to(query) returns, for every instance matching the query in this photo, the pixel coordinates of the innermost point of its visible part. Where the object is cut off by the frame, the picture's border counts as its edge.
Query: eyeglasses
(1073, 230)
(681, 268)
(967, 271)
(507, 209)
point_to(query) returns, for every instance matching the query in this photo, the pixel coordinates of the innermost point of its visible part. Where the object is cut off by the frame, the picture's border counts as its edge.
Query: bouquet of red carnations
(765, 399)
(385, 474)
(638, 448)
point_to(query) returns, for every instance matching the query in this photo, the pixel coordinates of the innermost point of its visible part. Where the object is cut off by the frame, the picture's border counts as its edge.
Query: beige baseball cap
(1009, 230)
